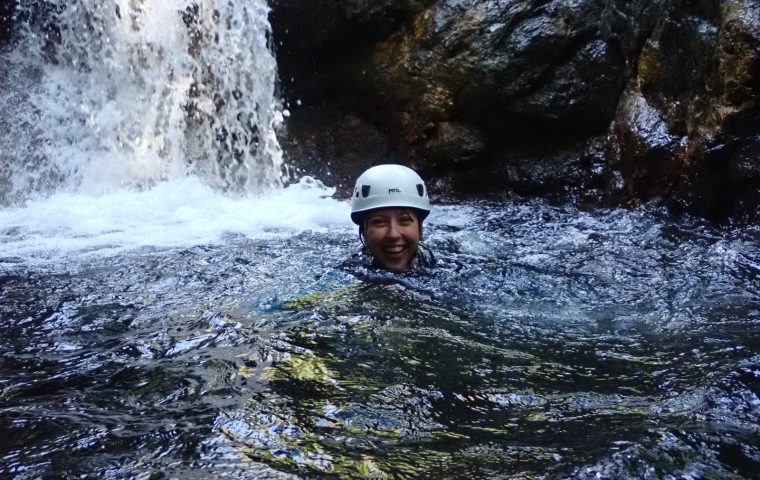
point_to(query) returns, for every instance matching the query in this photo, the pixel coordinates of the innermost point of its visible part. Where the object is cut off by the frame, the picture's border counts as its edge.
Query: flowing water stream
(169, 310)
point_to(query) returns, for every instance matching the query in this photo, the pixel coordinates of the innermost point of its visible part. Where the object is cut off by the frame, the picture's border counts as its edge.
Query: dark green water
(548, 343)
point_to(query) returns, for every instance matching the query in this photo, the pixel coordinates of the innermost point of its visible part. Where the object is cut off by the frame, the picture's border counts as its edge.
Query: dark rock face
(319, 25)
(617, 100)
(459, 83)
(317, 40)
(333, 145)
(476, 62)
(688, 115)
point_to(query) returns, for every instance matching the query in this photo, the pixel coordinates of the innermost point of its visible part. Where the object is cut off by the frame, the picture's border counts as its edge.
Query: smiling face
(392, 236)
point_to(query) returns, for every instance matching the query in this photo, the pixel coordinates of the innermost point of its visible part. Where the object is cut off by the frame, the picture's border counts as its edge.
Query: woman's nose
(393, 230)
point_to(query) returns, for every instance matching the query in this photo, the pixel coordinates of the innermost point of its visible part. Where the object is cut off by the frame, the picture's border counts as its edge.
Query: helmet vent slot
(421, 189)
(365, 190)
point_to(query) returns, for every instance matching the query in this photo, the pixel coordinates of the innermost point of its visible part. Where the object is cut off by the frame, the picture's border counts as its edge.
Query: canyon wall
(613, 102)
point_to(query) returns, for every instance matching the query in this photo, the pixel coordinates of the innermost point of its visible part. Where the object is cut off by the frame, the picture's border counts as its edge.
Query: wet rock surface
(516, 89)
(332, 144)
(696, 90)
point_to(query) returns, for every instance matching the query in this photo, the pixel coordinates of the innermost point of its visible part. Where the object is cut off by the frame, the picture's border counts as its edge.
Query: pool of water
(549, 342)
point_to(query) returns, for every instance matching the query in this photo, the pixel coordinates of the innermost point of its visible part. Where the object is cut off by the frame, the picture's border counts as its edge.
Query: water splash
(181, 213)
(128, 93)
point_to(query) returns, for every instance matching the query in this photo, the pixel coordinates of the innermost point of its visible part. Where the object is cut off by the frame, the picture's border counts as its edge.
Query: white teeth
(396, 249)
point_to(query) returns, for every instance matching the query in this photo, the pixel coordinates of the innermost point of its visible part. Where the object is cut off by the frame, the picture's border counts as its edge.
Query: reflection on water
(550, 342)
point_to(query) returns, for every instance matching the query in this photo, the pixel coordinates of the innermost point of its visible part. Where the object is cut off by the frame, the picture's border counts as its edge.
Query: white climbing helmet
(389, 186)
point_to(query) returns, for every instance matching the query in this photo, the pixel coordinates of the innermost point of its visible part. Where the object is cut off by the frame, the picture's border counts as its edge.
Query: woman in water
(389, 204)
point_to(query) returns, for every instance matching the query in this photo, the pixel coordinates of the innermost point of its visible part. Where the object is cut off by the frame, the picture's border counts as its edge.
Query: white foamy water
(99, 96)
(178, 213)
(144, 123)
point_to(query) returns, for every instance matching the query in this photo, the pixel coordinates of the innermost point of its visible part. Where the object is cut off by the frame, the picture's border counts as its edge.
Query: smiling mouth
(394, 250)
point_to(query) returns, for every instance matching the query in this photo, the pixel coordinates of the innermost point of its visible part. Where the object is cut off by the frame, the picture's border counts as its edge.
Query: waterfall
(102, 95)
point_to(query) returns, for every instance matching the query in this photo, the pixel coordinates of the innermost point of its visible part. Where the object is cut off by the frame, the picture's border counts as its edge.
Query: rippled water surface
(549, 342)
